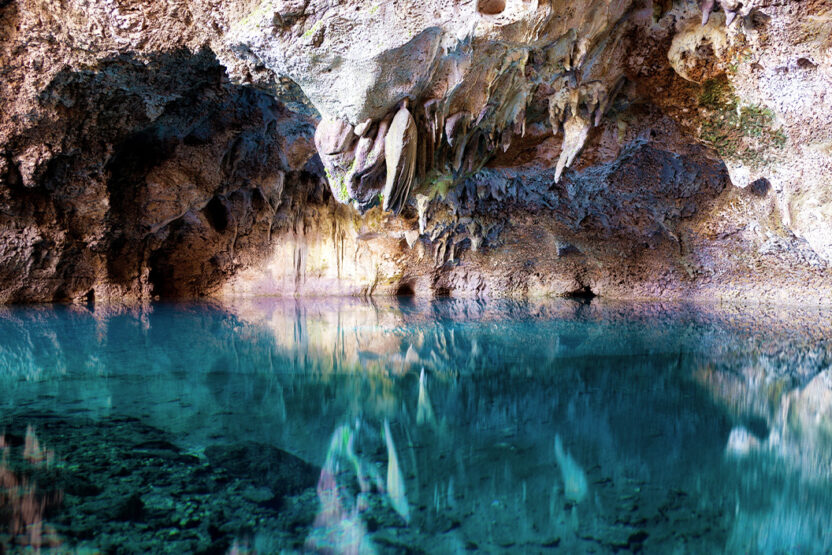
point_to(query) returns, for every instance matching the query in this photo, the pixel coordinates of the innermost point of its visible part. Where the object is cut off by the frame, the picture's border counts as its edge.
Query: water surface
(452, 426)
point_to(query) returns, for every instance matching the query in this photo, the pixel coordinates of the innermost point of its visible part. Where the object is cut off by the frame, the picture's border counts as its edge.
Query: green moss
(716, 93)
(437, 184)
(393, 279)
(374, 9)
(736, 131)
(255, 16)
(312, 30)
(339, 184)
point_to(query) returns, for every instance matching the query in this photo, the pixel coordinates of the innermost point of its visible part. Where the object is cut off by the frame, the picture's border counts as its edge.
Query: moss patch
(737, 131)
(436, 184)
(312, 30)
(255, 17)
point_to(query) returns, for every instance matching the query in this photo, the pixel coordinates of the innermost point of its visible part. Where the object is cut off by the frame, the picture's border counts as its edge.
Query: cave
(369, 277)
(222, 163)
(405, 289)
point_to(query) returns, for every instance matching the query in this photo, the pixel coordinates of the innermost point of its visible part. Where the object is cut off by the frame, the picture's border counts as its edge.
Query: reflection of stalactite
(23, 508)
(424, 411)
(574, 479)
(395, 481)
(338, 525)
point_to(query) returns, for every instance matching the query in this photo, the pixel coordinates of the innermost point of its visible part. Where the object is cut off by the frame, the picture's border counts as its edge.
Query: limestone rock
(400, 146)
(229, 147)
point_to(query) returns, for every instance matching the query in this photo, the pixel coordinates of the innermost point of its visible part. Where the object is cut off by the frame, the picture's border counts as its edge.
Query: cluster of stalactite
(420, 143)
(422, 146)
(426, 144)
(732, 9)
(574, 109)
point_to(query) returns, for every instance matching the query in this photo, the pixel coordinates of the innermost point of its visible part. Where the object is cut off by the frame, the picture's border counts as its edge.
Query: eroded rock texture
(481, 147)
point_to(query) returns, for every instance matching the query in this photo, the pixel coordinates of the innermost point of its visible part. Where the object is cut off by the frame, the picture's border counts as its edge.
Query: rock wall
(472, 148)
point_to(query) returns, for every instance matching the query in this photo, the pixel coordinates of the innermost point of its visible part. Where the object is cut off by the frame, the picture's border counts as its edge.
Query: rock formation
(469, 147)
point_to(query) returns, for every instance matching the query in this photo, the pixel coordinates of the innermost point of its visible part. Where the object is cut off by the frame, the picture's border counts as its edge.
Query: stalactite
(400, 150)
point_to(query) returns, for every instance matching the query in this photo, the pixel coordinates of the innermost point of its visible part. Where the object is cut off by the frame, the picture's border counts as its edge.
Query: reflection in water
(339, 527)
(574, 479)
(349, 427)
(395, 481)
(22, 506)
(424, 411)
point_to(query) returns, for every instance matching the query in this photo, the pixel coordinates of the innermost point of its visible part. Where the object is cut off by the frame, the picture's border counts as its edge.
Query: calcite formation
(468, 147)
(470, 69)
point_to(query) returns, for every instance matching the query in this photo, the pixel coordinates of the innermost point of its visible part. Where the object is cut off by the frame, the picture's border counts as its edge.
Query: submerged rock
(142, 499)
(265, 466)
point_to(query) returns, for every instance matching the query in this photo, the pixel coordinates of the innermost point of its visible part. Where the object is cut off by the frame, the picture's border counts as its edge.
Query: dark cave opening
(491, 7)
(405, 289)
(160, 277)
(584, 293)
(217, 214)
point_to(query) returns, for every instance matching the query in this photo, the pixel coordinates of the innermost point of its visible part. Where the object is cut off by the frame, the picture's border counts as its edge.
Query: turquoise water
(395, 427)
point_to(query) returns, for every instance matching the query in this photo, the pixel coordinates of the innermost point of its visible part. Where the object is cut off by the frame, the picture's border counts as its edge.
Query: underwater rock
(265, 466)
(132, 509)
(137, 503)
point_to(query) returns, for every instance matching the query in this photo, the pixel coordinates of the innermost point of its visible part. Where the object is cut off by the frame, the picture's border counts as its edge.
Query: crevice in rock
(441, 292)
(159, 278)
(584, 293)
(759, 187)
(405, 289)
(217, 214)
(491, 7)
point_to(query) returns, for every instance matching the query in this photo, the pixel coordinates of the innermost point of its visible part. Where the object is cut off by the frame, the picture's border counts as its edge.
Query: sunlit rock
(696, 50)
(400, 146)
(238, 148)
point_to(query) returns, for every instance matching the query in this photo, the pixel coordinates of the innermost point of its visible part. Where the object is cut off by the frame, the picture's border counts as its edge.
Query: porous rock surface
(464, 147)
